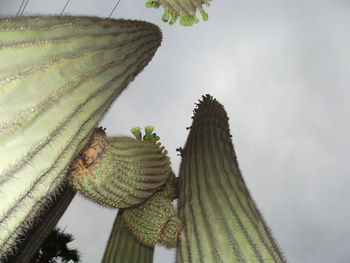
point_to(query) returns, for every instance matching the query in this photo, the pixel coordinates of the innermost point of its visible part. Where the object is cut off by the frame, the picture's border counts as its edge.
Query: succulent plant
(220, 219)
(58, 76)
(120, 172)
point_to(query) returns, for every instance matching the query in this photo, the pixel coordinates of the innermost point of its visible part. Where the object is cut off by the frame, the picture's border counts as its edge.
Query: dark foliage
(55, 247)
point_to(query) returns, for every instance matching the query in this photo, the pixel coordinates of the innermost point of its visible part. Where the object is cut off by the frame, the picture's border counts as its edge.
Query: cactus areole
(58, 76)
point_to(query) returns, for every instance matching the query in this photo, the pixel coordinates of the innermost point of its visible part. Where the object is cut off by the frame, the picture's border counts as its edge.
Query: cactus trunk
(221, 221)
(123, 247)
(58, 76)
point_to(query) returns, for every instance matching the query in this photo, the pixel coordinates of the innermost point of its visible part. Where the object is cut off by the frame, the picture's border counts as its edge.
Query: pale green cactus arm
(123, 247)
(221, 221)
(58, 76)
(185, 10)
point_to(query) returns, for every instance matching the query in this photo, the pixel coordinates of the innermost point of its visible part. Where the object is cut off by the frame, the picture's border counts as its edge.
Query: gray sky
(282, 71)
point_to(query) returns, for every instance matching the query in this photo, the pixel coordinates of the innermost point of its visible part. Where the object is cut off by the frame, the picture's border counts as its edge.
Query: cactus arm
(123, 247)
(42, 226)
(221, 221)
(185, 10)
(58, 76)
(120, 172)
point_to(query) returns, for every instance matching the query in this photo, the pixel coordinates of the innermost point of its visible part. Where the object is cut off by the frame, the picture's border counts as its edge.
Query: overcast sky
(282, 71)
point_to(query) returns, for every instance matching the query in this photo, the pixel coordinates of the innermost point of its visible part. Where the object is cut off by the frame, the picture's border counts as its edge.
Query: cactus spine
(58, 76)
(221, 221)
(123, 247)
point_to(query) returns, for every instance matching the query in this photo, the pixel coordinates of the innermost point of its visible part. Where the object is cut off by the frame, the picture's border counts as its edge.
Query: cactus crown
(183, 9)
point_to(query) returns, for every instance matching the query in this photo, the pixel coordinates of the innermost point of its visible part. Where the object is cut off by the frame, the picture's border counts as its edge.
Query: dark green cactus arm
(184, 9)
(58, 76)
(42, 226)
(123, 247)
(221, 221)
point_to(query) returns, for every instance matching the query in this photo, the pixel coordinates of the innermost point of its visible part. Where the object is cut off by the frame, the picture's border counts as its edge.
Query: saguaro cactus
(221, 221)
(58, 76)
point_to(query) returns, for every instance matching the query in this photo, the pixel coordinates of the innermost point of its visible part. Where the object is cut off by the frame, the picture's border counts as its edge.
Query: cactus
(58, 76)
(120, 172)
(184, 9)
(123, 247)
(221, 221)
(155, 220)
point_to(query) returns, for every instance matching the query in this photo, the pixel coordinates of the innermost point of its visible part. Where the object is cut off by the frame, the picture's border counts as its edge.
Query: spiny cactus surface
(185, 10)
(153, 222)
(221, 221)
(120, 171)
(58, 76)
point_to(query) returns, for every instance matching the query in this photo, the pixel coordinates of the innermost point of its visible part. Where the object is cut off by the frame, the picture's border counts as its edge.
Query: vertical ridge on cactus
(221, 221)
(123, 247)
(58, 76)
